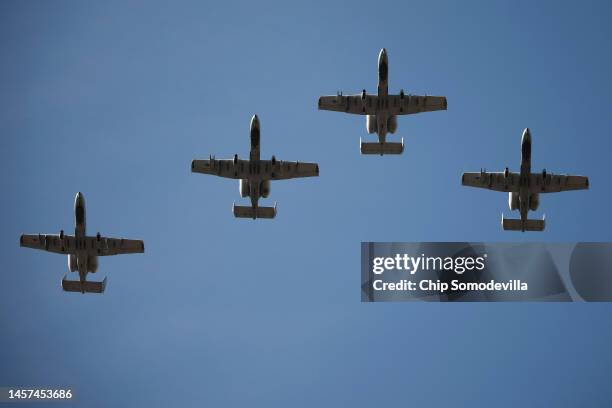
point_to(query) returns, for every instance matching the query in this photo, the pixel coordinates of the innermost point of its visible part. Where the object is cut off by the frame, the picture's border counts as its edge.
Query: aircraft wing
(397, 104)
(350, 104)
(235, 169)
(409, 104)
(283, 170)
(497, 181)
(118, 246)
(554, 183)
(48, 242)
(70, 245)
(267, 169)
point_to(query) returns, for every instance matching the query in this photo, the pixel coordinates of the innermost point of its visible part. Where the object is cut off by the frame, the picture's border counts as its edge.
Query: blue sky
(115, 99)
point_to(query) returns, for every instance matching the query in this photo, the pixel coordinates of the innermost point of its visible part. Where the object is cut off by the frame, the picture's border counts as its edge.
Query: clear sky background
(115, 99)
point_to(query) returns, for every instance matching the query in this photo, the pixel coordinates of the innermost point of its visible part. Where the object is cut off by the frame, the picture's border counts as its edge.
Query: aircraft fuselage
(524, 199)
(82, 261)
(525, 195)
(254, 180)
(382, 113)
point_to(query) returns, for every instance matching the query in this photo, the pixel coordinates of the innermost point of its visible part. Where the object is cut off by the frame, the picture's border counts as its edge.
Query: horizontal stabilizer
(85, 287)
(381, 148)
(250, 212)
(518, 225)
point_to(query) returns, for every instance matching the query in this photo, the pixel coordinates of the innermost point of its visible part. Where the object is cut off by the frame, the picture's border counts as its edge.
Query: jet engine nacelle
(513, 201)
(264, 189)
(92, 264)
(534, 202)
(72, 263)
(244, 188)
(392, 124)
(371, 124)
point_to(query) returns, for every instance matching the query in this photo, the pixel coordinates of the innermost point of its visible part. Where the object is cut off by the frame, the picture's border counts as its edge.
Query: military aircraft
(524, 187)
(381, 110)
(254, 175)
(82, 251)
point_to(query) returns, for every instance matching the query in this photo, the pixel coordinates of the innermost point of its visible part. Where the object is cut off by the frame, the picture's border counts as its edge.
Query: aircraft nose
(526, 136)
(254, 122)
(383, 55)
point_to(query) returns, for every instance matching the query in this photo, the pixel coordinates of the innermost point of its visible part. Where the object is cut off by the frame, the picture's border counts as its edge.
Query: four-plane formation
(255, 174)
